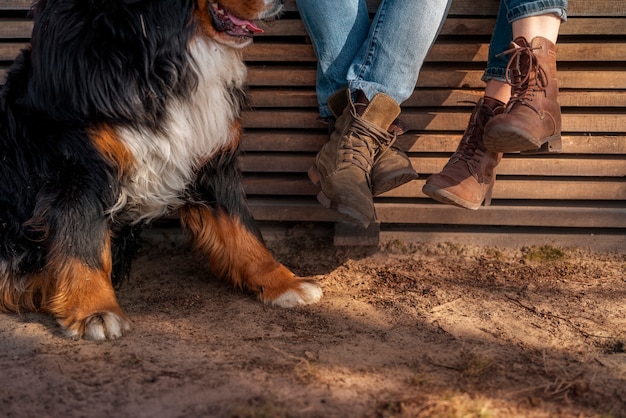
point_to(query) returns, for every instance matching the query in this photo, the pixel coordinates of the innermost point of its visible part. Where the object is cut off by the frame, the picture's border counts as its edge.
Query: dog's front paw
(302, 292)
(99, 326)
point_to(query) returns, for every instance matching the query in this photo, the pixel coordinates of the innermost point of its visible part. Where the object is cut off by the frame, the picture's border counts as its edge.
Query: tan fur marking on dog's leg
(112, 149)
(83, 299)
(26, 293)
(10, 293)
(235, 253)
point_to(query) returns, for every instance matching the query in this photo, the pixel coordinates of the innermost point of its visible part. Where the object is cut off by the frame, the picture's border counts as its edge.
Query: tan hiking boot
(392, 167)
(343, 166)
(532, 119)
(467, 179)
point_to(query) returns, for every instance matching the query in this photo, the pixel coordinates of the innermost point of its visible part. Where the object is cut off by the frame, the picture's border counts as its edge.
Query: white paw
(101, 326)
(308, 292)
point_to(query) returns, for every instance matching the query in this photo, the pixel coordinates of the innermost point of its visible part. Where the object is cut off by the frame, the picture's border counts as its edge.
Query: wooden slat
(596, 77)
(266, 97)
(22, 28)
(445, 51)
(550, 189)
(10, 50)
(548, 216)
(505, 188)
(572, 122)
(572, 144)
(15, 4)
(15, 28)
(435, 120)
(511, 165)
(426, 212)
(490, 7)
(311, 141)
(477, 7)
(473, 26)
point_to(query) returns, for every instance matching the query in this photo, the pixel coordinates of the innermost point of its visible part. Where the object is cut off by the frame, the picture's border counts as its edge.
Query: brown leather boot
(392, 167)
(532, 119)
(468, 178)
(343, 166)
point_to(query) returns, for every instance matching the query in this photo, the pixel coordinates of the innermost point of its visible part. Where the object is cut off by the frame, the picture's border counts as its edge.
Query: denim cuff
(494, 73)
(537, 8)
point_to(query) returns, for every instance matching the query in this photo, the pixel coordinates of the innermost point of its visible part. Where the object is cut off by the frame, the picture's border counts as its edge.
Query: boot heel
(553, 145)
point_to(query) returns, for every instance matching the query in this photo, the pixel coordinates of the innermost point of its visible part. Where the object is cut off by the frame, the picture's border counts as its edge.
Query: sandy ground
(402, 331)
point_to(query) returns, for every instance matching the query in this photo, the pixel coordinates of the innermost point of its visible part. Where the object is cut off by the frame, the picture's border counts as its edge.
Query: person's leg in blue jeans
(365, 72)
(528, 31)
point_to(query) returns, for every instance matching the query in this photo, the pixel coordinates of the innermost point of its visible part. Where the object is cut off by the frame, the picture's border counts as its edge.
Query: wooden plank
(554, 188)
(427, 212)
(548, 216)
(545, 188)
(15, 4)
(592, 26)
(596, 8)
(22, 28)
(294, 210)
(552, 165)
(428, 97)
(10, 50)
(445, 75)
(15, 28)
(283, 140)
(512, 165)
(490, 7)
(472, 26)
(310, 141)
(603, 121)
(611, 8)
(431, 120)
(445, 51)
(572, 144)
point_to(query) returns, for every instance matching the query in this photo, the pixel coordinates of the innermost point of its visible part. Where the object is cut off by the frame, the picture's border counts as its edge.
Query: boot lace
(366, 142)
(471, 148)
(527, 78)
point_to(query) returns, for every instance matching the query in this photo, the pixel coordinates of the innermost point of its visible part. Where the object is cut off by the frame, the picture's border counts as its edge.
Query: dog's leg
(83, 300)
(126, 242)
(75, 285)
(224, 231)
(237, 254)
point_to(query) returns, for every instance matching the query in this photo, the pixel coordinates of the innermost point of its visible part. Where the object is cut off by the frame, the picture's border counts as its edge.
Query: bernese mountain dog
(119, 112)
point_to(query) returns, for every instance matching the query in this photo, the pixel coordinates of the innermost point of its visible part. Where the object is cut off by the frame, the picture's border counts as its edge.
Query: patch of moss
(544, 253)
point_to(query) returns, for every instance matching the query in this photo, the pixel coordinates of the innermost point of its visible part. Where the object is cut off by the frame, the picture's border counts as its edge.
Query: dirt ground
(403, 330)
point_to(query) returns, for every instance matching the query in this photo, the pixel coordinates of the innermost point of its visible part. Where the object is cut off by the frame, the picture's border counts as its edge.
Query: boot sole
(513, 139)
(348, 214)
(443, 196)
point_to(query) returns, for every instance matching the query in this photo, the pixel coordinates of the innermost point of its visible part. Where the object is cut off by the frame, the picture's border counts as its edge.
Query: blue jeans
(385, 56)
(510, 11)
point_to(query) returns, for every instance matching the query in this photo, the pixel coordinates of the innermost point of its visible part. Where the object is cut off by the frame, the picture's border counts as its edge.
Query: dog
(119, 112)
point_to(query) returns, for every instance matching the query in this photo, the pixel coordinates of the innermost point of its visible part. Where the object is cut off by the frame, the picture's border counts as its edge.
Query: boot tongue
(382, 110)
(520, 42)
(492, 103)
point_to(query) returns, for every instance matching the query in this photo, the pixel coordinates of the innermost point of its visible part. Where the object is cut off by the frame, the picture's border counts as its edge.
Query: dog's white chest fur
(195, 129)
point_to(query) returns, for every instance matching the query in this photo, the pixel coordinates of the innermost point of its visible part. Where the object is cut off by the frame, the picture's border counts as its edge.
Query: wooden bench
(577, 195)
